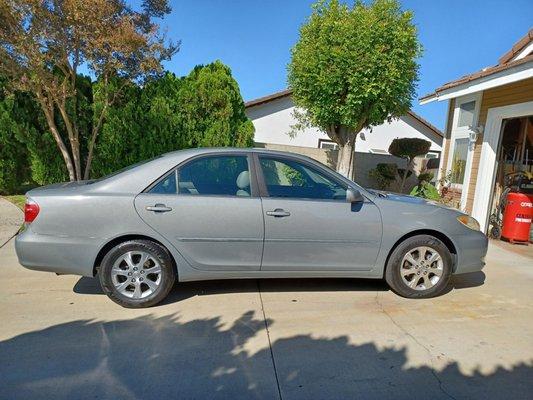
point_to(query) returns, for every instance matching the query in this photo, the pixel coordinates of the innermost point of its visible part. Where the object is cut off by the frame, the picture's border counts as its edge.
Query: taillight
(31, 210)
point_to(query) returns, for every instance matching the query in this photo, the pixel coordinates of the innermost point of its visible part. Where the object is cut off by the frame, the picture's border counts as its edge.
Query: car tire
(413, 270)
(137, 273)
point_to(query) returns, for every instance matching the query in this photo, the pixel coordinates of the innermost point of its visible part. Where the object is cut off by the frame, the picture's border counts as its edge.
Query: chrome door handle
(278, 212)
(159, 208)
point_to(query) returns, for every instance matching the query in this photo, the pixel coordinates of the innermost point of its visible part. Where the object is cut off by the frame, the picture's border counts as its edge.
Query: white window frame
(379, 151)
(463, 132)
(436, 153)
(326, 141)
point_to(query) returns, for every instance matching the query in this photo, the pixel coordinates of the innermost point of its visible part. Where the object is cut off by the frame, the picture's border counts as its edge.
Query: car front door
(208, 208)
(309, 225)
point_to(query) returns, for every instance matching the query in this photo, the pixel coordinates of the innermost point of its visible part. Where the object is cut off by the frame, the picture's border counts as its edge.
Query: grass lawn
(17, 199)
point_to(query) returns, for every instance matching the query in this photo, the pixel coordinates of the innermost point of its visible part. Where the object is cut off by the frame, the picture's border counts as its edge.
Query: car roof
(209, 150)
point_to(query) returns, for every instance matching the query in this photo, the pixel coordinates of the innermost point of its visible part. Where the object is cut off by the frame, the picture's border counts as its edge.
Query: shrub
(408, 148)
(425, 177)
(384, 174)
(425, 190)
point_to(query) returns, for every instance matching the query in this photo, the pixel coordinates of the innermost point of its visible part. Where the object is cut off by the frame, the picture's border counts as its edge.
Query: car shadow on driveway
(168, 357)
(185, 290)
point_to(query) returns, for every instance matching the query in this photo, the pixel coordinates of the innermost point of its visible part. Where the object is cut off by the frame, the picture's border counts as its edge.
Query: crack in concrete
(269, 341)
(7, 241)
(412, 337)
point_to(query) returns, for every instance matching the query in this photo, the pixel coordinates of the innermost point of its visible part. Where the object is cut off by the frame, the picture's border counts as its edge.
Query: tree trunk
(73, 139)
(345, 159)
(49, 114)
(405, 173)
(92, 143)
(90, 155)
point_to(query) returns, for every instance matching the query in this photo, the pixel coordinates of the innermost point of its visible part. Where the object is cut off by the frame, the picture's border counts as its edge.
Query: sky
(254, 38)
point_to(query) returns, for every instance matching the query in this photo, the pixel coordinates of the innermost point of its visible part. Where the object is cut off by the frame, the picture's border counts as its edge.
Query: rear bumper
(62, 255)
(471, 251)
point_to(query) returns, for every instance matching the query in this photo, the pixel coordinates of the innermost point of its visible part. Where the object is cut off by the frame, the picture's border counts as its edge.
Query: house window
(460, 153)
(466, 113)
(327, 144)
(378, 151)
(432, 154)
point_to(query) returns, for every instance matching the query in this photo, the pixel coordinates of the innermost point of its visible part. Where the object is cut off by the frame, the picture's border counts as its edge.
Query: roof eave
(428, 98)
(520, 71)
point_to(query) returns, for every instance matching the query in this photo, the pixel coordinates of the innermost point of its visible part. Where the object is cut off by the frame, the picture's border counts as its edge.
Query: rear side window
(215, 175)
(166, 186)
(288, 178)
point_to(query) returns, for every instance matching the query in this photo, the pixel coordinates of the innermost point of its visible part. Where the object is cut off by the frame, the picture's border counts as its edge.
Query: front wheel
(420, 267)
(137, 273)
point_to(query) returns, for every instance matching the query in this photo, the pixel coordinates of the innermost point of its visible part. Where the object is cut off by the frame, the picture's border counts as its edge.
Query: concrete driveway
(61, 338)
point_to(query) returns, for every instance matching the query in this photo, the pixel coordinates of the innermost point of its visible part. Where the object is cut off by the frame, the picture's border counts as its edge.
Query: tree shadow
(167, 357)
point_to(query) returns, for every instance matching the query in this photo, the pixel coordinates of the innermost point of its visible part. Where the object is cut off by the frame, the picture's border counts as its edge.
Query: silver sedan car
(241, 213)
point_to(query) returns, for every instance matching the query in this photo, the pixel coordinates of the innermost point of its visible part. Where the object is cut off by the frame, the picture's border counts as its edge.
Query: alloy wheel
(421, 268)
(136, 274)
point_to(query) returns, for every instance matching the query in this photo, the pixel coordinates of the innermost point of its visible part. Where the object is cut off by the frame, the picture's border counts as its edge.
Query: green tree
(212, 109)
(143, 123)
(43, 43)
(47, 164)
(169, 113)
(119, 142)
(13, 154)
(353, 68)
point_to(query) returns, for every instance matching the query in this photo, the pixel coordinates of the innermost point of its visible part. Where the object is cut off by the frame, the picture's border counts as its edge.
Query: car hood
(407, 199)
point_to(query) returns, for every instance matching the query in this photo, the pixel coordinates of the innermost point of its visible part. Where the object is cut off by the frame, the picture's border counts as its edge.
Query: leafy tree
(13, 154)
(408, 148)
(43, 43)
(47, 165)
(119, 143)
(204, 108)
(212, 109)
(353, 68)
(143, 123)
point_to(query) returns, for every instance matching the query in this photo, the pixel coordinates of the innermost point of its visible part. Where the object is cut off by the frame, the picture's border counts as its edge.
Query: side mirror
(354, 196)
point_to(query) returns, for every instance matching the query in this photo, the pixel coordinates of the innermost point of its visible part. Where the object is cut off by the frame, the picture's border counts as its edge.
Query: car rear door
(209, 209)
(309, 225)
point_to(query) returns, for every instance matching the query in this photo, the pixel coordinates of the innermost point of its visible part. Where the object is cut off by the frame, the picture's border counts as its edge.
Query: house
(273, 118)
(489, 129)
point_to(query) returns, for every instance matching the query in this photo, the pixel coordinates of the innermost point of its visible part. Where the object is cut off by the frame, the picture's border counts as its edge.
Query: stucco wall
(273, 121)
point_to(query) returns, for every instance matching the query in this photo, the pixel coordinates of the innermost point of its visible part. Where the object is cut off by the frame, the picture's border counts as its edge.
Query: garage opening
(514, 165)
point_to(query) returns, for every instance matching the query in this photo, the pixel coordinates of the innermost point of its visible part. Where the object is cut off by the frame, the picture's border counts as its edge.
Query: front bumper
(62, 255)
(471, 251)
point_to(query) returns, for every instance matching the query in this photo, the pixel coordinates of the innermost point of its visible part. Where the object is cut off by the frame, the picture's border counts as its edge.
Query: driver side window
(288, 178)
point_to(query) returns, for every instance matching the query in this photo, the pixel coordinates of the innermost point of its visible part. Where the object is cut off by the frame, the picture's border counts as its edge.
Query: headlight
(469, 222)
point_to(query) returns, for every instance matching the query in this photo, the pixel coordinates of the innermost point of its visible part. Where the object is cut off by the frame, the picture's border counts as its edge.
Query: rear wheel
(420, 267)
(137, 273)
